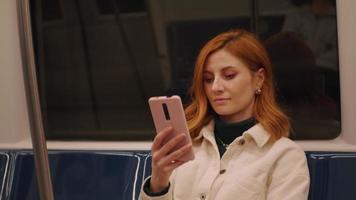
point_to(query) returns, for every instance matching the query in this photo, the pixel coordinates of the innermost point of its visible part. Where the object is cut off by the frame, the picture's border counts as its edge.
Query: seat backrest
(332, 175)
(119, 175)
(4, 171)
(82, 175)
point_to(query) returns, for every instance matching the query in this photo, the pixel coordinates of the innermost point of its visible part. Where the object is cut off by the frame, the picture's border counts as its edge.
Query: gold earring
(258, 91)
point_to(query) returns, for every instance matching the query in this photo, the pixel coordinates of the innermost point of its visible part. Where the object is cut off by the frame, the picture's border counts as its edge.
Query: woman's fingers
(172, 144)
(173, 165)
(167, 148)
(165, 157)
(173, 158)
(160, 137)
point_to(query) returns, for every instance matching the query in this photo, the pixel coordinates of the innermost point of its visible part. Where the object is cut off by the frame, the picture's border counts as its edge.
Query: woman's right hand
(165, 158)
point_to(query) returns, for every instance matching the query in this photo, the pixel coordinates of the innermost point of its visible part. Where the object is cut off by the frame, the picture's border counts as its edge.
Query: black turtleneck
(228, 132)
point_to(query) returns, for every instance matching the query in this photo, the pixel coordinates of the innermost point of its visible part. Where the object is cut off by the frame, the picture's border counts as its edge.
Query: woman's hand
(165, 158)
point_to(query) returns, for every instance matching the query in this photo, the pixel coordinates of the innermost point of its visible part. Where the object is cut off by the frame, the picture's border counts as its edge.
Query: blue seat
(332, 175)
(147, 168)
(118, 175)
(81, 175)
(4, 171)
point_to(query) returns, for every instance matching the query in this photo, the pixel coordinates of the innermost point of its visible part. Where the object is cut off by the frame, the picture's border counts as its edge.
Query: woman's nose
(217, 85)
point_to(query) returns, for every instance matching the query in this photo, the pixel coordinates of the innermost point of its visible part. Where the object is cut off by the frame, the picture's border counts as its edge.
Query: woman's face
(230, 86)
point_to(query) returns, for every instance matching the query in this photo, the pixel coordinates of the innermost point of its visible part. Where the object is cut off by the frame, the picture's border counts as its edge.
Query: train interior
(88, 53)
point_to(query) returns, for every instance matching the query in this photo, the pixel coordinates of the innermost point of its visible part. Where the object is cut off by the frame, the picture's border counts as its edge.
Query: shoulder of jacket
(287, 147)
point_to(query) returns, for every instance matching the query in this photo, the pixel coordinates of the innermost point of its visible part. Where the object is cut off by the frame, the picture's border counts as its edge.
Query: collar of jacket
(256, 132)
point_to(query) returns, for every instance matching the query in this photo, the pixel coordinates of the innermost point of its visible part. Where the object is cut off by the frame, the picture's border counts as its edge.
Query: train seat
(81, 175)
(110, 175)
(4, 171)
(332, 175)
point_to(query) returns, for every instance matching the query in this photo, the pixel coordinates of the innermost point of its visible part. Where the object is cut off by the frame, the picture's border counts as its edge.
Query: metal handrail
(33, 100)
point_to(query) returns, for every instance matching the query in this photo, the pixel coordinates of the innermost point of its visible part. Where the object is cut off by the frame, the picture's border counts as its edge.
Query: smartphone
(168, 111)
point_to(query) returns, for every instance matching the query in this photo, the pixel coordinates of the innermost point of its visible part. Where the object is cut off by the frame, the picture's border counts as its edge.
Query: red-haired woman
(239, 132)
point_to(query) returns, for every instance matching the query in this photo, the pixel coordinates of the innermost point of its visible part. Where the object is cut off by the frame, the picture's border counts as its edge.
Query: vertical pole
(254, 16)
(37, 130)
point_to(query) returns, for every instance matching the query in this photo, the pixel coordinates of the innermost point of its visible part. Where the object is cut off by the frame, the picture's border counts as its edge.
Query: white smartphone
(168, 111)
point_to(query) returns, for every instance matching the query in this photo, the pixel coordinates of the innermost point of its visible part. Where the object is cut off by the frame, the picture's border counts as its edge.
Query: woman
(239, 133)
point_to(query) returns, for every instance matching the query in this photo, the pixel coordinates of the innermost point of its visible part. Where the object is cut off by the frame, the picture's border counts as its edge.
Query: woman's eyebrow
(227, 68)
(222, 69)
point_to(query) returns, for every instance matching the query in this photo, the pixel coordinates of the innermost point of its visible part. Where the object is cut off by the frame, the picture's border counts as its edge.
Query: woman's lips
(221, 101)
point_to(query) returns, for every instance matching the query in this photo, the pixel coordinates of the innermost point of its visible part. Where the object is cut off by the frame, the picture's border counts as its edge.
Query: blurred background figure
(315, 23)
(300, 84)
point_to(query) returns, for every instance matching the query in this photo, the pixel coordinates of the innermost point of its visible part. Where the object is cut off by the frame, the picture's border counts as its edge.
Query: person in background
(300, 87)
(315, 23)
(239, 133)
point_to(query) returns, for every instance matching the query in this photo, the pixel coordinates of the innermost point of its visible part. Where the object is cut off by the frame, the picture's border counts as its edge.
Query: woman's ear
(260, 77)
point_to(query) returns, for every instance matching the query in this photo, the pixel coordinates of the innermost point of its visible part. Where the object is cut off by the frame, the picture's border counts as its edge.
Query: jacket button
(242, 142)
(202, 196)
(222, 171)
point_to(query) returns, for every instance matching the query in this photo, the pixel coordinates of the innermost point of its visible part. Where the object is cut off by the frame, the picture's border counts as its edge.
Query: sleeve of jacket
(145, 196)
(290, 178)
(166, 196)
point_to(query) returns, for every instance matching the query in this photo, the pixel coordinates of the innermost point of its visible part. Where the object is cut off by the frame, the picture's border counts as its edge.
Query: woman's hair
(245, 46)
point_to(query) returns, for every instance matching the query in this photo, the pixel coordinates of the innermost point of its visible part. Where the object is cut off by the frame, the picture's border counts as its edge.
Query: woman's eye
(208, 80)
(230, 76)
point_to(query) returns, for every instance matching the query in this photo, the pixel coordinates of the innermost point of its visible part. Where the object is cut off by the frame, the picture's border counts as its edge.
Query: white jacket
(252, 168)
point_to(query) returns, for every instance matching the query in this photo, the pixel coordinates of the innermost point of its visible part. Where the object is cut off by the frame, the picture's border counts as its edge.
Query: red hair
(245, 46)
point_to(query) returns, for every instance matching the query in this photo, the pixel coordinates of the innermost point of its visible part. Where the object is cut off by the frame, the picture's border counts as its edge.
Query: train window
(301, 37)
(51, 11)
(106, 7)
(96, 73)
